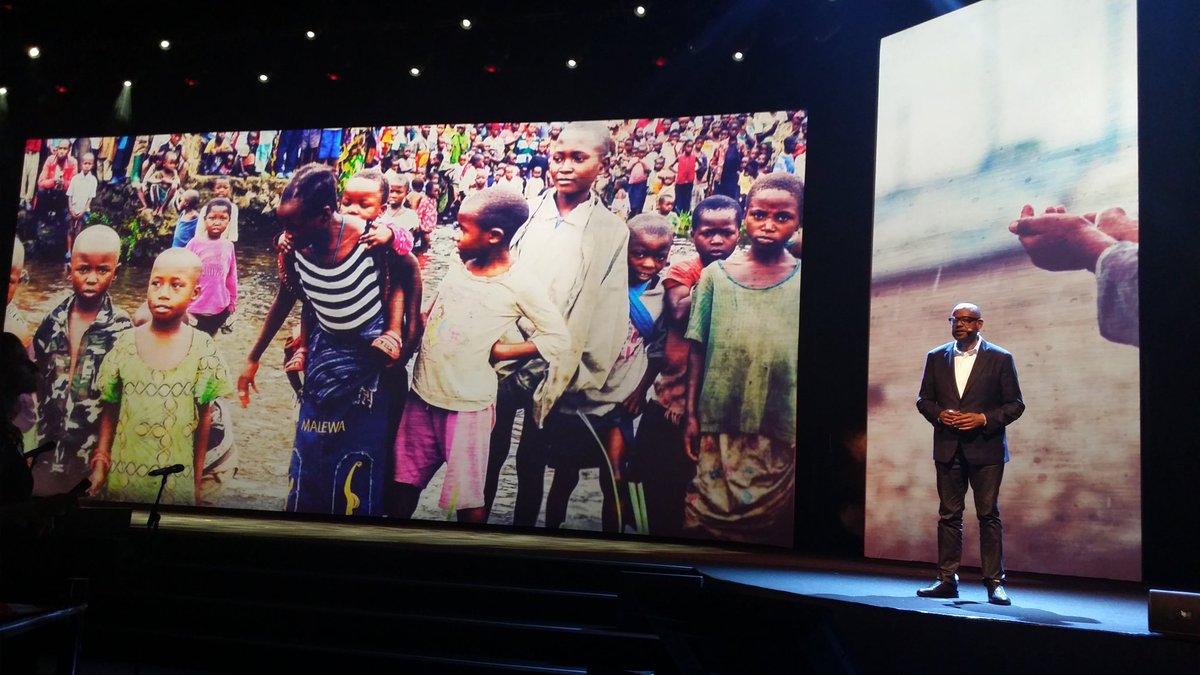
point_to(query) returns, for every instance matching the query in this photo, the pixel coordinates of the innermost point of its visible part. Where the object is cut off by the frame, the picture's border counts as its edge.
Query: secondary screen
(1006, 176)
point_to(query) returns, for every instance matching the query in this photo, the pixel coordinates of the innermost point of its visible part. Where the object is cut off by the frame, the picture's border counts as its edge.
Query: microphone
(41, 449)
(167, 470)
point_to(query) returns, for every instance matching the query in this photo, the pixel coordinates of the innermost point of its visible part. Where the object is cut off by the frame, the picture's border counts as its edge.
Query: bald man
(969, 393)
(68, 348)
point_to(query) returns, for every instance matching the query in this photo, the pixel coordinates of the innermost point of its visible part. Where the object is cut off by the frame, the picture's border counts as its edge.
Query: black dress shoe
(943, 588)
(997, 596)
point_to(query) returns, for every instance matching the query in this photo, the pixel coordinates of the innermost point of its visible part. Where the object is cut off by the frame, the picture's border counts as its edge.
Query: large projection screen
(982, 112)
(142, 187)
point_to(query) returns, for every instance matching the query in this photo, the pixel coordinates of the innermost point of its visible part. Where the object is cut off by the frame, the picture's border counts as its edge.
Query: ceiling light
(738, 56)
(34, 52)
(311, 35)
(3, 91)
(571, 63)
(414, 71)
(164, 45)
(263, 78)
(127, 84)
(465, 23)
(639, 10)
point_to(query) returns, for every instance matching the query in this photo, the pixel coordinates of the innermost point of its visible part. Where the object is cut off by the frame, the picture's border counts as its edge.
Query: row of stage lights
(466, 24)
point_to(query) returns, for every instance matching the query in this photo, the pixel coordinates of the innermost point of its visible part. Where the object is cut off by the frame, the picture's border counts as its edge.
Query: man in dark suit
(969, 393)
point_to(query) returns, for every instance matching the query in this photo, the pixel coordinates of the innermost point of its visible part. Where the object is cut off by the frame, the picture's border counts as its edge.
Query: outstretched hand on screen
(1058, 241)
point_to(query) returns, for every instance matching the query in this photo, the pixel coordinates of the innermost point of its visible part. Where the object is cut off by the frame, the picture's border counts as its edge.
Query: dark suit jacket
(992, 389)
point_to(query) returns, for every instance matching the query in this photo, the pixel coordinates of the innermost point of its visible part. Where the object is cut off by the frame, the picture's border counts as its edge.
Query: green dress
(751, 349)
(158, 417)
(744, 488)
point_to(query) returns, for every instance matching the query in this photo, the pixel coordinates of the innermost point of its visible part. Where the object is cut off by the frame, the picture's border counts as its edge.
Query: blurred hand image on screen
(1106, 244)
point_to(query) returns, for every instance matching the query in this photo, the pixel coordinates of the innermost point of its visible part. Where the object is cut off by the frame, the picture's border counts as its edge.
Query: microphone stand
(152, 521)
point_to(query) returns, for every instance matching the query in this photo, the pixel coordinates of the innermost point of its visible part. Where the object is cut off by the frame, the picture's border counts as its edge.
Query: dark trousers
(637, 198)
(211, 323)
(532, 460)
(953, 478)
(660, 463)
(509, 399)
(683, 197)
(533, 456)
(287, 152)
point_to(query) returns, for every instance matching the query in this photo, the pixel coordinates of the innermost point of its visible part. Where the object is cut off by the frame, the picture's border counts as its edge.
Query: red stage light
(190, 82)
(660, 62)
(490, 68)
(60, 89)
(333, 77)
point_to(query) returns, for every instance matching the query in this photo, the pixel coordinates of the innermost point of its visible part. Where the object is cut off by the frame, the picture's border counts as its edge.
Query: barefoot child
(449, 419)
(595, 427)
(218, 282)
(662, 465)
(740, 423)
(68, 348)
(342, 453)
(157, 385)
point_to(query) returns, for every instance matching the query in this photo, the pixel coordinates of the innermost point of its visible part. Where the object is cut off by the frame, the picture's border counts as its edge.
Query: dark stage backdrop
(982, 112)
(138, 185)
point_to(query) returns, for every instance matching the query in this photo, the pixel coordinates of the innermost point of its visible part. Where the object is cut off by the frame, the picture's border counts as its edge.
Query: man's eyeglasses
(964, 320)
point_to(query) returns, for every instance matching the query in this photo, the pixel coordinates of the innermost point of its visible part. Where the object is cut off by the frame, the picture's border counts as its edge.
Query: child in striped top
(352, 294)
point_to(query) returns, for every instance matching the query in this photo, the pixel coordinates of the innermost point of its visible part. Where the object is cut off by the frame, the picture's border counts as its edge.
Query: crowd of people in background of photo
(579, 327)
(664, 165)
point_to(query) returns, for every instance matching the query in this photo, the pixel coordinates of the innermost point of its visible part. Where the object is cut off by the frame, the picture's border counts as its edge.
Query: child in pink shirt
(217, 297)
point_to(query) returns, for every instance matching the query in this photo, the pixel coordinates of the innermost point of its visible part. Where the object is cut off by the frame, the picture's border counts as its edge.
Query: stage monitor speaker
(1175, 613)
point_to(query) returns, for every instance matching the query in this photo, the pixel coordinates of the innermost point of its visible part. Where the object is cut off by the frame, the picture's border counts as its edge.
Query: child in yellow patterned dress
(157, 386)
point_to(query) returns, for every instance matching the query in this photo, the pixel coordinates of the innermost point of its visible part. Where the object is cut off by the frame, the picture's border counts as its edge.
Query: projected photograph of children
(517, 324)
(1006, 177)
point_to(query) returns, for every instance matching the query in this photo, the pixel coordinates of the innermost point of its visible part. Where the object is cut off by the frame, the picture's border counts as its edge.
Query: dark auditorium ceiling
(363, 52)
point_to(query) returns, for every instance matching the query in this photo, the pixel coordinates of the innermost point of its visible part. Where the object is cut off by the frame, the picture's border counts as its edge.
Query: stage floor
(1065, 602)
(1115, 607)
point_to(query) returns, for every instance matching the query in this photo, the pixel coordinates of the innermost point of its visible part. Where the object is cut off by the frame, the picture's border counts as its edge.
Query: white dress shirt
(963, 362)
